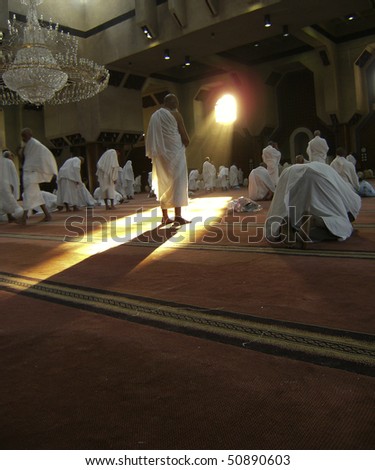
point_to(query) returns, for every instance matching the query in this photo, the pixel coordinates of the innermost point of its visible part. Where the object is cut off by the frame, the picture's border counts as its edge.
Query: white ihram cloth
(9, 188)
(118, 185)
(351, 158)
(164, 146)
(260, 184)
(317, 149)
(39, 167)
(107, 173)
(209, 175)
(313, 188)
(138, 184)
(346, 170)
(68, 181)
(84, 197)
(128, 179)
(50, 200)
(99, 200)
(233, 176)
(272, 157)
(240, 177)
(193, 180)
(223, 177)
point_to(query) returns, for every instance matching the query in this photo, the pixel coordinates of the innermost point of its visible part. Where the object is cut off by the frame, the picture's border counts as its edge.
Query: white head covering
(128, 173)
(108, 161)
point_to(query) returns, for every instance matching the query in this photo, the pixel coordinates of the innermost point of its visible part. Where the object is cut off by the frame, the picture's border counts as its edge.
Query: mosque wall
(114, 110)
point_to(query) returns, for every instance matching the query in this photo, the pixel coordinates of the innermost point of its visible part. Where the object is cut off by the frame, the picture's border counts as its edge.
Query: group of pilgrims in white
(328, 193)
(115, 184)
(313, 197)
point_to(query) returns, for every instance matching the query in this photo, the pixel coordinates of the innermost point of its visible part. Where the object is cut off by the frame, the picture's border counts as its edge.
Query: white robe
(233, 176)
(98, 197)
(209, 175)
(366, 189)
(138, 184)
(107, 173)
(84, 197)
(164, 146)
(240, 177)
(39, 167)
(347, 171)
(317, 149)
(9, 188)
(128, 179)
(313, 188)
(50, 201)
(193, 180)
(272, 157)
(150, 182)
(260, 184)
(68, 181)
(351, 159)
(223, 177)
(119, 187)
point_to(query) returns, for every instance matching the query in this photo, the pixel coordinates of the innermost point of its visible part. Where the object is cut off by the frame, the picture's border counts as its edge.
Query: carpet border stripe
(346, 350)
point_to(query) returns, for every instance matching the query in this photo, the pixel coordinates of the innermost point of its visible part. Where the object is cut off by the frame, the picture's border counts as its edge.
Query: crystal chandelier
(39, 64)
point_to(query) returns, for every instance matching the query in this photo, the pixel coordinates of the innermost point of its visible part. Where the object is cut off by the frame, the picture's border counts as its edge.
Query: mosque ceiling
(225, 43)
(243, 41)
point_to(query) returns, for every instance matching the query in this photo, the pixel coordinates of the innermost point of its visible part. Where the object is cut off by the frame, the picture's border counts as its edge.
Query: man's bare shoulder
(176, 114)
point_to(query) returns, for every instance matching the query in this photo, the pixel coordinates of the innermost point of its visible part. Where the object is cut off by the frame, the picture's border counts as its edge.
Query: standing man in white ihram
(317, 148)
(166, 140)
(39, 167)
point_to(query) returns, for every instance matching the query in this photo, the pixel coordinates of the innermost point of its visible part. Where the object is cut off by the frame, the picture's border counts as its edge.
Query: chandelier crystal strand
(40, 65)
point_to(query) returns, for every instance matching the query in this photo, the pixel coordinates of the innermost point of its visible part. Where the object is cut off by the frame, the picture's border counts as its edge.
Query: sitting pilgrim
(311, 203)
(345, 168)
(261, 186)
(193, 180)
(365, 188)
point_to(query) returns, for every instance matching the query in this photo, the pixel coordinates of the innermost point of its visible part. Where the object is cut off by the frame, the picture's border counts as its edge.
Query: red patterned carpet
(118, 334)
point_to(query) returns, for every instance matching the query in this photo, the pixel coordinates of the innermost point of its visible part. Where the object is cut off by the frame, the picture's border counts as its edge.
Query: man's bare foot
(47, 218)
(166, 221)
(181, 221)
(11, 219)
(20, 221)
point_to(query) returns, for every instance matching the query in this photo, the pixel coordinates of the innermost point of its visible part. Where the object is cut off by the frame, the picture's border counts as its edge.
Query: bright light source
(226, 109)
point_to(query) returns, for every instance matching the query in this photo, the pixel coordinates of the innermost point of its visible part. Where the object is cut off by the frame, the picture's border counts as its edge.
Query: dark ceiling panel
(130, 138)
(108, 136)
(148, 101)
(134, 82)
(59, 142)
(341, 29)
(269, 49)
(75, 139)
(115, 77)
